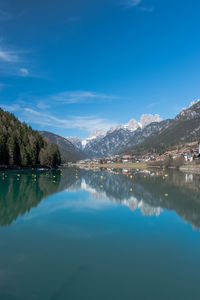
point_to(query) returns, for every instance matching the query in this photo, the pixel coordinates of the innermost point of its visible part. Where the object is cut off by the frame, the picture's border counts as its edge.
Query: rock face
(69, 152)
(76, 142)
(108, 145)
(94, 136)
(132, 125)
(142, 134)
(148, 119)
(97, 133)
(190, 113)
(185, 127)
(104, 144)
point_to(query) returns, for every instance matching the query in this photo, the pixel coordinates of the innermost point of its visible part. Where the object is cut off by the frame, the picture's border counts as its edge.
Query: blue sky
(72, 66)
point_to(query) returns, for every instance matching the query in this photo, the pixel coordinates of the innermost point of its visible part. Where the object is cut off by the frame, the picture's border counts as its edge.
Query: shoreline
(195, 169)
(17, 168)
(141, 166)
(190, 168)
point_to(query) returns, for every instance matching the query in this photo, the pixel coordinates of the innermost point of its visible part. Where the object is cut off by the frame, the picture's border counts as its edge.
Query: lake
(83, 234)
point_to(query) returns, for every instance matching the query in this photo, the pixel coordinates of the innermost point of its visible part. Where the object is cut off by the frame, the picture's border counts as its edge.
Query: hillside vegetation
(22, 146)
(184, 128)
(68, 151)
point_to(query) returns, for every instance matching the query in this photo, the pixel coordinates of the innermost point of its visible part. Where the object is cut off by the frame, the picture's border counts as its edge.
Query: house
(125, 160)
(188, 157)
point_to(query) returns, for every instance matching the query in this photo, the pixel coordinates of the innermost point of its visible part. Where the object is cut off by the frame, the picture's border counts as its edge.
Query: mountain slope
(68, 151)
(108, 145)
(184, 128)
(104, 144)
(141, 135)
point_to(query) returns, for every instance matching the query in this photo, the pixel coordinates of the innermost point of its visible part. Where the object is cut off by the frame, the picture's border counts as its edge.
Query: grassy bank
(188, 167)
(141, 165)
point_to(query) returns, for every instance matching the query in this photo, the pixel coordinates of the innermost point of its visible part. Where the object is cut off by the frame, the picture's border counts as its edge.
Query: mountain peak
(132, 125)
(194, 102)
(193, 111)
(97, 133)
(147, 119)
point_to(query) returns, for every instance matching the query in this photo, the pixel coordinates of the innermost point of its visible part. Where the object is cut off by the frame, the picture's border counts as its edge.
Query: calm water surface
(80, 234)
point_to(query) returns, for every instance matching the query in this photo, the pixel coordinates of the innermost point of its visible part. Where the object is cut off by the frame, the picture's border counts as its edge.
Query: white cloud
(87, 123)
(42, 105)
(10, 108)
(8, 56)
(41, 112)
(11, 62)
(77, 97)
(24, 72)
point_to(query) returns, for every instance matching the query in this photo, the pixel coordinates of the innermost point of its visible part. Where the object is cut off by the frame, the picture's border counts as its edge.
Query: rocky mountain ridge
(151, 134)
(101, 143)
(185, 127)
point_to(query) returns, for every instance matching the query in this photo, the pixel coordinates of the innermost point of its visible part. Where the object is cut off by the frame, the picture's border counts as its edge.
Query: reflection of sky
(76, 241)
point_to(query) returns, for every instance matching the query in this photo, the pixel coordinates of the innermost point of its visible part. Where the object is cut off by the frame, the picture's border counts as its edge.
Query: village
(188, 153)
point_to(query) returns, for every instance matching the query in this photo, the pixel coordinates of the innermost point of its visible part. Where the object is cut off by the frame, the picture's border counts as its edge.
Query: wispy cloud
(13, 62)
(87, 123)
(139, 4)
(69, 97)
(42, 105)
(24, 72)
(42, 113)
(8, 56)
(10, 108)
(131, 3)
(78, 96)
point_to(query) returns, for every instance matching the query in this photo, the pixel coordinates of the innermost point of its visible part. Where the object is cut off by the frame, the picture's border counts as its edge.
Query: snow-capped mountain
(185, 127)
(75, 141)
(133, 125)
(81, 143)
(101, 143)
(97, 133)
(148, 119)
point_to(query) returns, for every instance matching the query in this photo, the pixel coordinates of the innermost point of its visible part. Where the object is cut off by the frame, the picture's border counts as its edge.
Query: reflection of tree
(144, 192)
(20, 193)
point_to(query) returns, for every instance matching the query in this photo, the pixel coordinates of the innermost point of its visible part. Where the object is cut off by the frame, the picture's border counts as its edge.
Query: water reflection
(23, 190)
(151, 192)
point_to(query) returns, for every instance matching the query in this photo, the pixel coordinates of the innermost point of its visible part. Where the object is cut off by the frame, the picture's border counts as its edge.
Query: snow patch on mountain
(114, 137)
(194, 102)
(147, 119)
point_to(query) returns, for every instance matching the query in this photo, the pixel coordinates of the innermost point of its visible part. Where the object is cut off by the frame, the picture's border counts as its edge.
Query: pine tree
(20, 145)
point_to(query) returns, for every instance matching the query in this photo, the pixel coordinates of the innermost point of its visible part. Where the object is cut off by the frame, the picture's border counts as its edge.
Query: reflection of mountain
(117, 188)
(146, 192)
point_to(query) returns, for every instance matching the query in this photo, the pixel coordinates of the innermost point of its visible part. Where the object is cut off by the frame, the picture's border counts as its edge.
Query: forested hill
(22, 146)
(68, 151)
